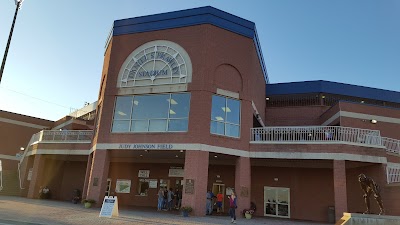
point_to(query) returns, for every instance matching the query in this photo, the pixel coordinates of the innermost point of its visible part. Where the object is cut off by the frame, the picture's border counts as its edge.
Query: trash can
(331, 214)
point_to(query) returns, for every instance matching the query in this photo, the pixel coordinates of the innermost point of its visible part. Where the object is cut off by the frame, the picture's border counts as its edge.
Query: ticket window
(143, 187)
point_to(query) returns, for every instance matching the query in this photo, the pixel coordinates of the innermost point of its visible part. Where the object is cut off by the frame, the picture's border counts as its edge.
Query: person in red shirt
(220, 198)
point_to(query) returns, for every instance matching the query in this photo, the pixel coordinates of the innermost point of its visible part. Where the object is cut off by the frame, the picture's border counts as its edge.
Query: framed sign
(189, 186)
(153, 183)
(123, 186)
(175, 172)
(30, 174)
(144, 173)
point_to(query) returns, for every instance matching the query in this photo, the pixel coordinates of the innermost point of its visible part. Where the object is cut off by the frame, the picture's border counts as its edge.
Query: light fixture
(323, 96)
(146, 150)
(267, 98)
(362, 101)
(218, 118)
(226, 109)
(141, 155)
(374, 121)
(181, 150)
(22, 148)
(215, 156)
(276, 179)
(176, 156)
(172, 101)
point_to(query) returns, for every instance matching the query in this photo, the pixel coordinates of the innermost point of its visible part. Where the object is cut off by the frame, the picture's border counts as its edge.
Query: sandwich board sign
(110, 207)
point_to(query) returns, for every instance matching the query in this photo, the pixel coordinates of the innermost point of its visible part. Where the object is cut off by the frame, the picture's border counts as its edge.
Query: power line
(30, 96)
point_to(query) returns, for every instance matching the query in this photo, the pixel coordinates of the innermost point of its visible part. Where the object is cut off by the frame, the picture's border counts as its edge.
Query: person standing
(160, 199)
(220, 198)
(170, 199)
(232, 206)
(178, 194)
(209, 208)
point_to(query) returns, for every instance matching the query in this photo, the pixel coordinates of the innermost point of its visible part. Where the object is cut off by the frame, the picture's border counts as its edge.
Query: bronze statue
(369, 186)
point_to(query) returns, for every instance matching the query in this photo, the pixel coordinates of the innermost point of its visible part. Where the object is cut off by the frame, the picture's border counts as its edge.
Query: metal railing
(66, 136)
(309, 134)
(393, 173)
(392, 145)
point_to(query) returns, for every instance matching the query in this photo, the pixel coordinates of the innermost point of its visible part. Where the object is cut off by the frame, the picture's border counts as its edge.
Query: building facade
(185, 103)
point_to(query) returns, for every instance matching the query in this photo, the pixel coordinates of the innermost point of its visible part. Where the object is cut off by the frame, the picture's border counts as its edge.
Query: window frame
(168, 118)
(225, 116)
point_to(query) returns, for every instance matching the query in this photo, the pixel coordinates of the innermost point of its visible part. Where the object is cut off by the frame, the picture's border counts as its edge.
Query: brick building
(185, 102)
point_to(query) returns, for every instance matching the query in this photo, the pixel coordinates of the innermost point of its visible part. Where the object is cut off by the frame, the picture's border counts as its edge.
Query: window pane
(158, 125)
(232, 130)
(178, 125)
(180, 104)
(120, 126)
(217, 128)
(218, 104)
(123, 107)
(233, 111)
(150, 106)
(140, 125)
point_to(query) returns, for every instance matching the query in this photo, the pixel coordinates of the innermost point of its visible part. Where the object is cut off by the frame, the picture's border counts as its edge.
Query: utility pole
(18, 3)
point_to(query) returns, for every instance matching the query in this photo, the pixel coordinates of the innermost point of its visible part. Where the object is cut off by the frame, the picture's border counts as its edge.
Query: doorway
(215, 190)
(277, 202)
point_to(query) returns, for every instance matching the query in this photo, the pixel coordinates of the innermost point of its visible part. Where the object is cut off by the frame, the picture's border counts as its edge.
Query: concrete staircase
(10, 183)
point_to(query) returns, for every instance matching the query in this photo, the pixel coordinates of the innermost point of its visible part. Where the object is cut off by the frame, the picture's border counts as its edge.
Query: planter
(185, 213)
(88, 205)
(247, 215)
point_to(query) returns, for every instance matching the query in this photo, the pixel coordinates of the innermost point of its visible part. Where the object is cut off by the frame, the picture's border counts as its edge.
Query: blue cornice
(329, 87)
(192, 17)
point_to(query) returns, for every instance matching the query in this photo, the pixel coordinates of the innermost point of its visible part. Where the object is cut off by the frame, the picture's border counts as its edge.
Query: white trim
(247, 154)
(362, 116)
(317, 143)
(330, 120)
(228, 93)
(20, 123)
(9, 157)
(329, 156)
(57, 152)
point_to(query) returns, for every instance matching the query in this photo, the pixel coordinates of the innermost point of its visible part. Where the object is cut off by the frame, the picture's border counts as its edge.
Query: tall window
(151, 113)
(225, 116)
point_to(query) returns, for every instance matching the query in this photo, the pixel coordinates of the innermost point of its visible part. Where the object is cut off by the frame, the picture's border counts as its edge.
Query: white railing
(66, 136)
(392, 145)
(310, 134)
(393, 173)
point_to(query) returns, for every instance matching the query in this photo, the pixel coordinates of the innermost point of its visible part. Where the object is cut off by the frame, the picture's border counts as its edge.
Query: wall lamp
(373, 121)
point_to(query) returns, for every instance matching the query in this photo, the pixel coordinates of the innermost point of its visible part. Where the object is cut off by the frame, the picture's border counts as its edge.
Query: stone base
(366, 219)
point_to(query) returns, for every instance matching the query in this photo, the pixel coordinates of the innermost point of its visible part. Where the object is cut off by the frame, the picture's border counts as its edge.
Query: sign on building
(176, 172)
(144, 173)
(123, 186)
(30, 174)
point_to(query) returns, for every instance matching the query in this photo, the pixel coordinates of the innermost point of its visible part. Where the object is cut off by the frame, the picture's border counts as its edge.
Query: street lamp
(18, 4)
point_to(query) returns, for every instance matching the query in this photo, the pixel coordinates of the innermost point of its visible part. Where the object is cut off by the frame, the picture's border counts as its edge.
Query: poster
(189, 186)
(30, 174)
(123, 186)
(153, 183)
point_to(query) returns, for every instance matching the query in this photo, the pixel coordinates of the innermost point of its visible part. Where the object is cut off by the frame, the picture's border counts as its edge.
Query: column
(195, 181)
(88, 169)
(38, 167)
(340, 189)
(98, 176)
(242, 183)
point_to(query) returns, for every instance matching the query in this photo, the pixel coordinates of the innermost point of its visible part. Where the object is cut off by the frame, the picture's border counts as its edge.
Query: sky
(56, 55)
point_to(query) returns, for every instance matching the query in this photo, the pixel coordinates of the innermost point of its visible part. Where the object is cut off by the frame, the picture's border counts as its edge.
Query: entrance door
(219, 188)
(277, 202)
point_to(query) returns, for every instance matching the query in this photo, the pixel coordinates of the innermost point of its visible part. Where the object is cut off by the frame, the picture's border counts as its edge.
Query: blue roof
(192, 17)
(329, 87)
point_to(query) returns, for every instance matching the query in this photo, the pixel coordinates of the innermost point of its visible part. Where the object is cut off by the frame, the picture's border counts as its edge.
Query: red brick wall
(294, 115)
(311, 190)
(73, 178)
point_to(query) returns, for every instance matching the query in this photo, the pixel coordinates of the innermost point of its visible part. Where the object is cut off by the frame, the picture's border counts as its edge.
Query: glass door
(277, 202)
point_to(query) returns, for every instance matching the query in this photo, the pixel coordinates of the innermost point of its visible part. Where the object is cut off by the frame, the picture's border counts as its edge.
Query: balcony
(61, 136)
(316, 134)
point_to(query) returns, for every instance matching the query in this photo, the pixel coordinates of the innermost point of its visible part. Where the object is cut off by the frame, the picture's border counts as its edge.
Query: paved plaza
(19, 211)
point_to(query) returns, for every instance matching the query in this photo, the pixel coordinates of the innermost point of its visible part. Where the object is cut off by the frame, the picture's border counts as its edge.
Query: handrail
(392, 145)
(310, 134)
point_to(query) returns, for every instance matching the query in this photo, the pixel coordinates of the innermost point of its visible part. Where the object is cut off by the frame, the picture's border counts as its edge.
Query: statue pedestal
(366, 219)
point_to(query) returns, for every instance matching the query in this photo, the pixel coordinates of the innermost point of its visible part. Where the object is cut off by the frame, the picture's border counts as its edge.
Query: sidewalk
(34, 211)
